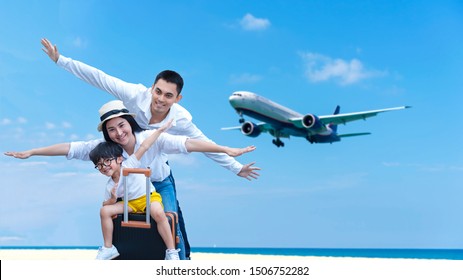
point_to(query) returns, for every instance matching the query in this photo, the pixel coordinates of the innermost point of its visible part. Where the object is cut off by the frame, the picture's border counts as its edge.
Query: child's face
(107, 166)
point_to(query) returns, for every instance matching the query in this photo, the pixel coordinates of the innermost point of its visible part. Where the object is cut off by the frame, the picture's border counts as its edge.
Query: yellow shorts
(138, 205)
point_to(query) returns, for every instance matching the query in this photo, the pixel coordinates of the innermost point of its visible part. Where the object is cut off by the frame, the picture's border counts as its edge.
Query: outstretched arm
(50, 49)
(195, 145)
(121, 90)
(185, 126)
(61, 149)
(148, 142)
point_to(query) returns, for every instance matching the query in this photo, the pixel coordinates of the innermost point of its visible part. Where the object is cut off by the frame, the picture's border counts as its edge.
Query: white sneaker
(172, 254)
(107, 253)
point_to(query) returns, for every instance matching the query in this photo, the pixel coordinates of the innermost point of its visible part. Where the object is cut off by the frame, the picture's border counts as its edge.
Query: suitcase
(136, 236)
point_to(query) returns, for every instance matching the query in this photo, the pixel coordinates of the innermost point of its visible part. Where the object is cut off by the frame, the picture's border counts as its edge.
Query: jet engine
(250, 129)
(312, 122)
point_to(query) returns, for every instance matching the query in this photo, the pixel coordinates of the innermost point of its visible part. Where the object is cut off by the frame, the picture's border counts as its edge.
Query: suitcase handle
(145, 171)
(137, 224)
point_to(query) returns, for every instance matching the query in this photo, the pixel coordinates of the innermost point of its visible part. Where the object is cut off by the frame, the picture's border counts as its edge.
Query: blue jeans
(181, 223)
(166, 189)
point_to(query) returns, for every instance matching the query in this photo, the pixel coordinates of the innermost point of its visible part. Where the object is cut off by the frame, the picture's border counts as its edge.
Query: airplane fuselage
(282, 122)
(278, 116)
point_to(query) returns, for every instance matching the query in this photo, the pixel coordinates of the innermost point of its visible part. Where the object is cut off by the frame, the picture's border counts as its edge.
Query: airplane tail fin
(334, 127)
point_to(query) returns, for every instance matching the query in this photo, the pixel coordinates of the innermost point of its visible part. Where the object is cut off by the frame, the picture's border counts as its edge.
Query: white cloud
(50, 125)
(59, 135)
(456, 168)
(65, 174)
(32, 163)
(80, 43)
(251, 23)
(185, 160)
(321, 68)
(18, 131)
(66, 125)
(74, 137)
(22, 120)
(8, 239)
(5, 121)
(92, 136)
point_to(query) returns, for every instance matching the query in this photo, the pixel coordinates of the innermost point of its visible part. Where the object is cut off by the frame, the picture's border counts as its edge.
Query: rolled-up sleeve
(172, 144)
(81, 149)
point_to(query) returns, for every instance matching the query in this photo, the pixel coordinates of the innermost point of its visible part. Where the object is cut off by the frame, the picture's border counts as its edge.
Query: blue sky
(399, 187)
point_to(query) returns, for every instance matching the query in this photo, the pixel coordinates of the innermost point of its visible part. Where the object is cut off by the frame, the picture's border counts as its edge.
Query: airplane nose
(233, 98)
(238, 97)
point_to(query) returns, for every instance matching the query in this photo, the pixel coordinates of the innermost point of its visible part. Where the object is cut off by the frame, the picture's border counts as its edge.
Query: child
(107, 157)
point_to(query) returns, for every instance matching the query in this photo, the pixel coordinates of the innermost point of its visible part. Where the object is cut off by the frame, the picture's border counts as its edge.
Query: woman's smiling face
(119, 131)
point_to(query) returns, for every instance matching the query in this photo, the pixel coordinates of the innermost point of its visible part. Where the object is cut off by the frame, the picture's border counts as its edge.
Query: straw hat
(112, 109)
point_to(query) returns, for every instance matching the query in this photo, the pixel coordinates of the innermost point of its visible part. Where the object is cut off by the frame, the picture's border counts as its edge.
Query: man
(153, 107)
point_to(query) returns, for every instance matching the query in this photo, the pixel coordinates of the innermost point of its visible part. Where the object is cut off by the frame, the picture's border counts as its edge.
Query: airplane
(282, 122)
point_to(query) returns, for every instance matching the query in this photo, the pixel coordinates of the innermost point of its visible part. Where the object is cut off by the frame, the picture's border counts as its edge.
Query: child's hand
(114, 191)
(166, 126)
(235, 152)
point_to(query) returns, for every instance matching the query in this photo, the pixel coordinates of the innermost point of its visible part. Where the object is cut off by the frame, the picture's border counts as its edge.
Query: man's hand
(249, 172)
(50, 50)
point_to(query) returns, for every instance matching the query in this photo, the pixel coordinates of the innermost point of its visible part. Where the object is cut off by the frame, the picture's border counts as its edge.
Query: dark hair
(129, 119)
(171, 77)
(105, 150)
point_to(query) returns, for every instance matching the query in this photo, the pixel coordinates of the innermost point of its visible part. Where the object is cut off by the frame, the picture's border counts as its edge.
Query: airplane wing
(262, 127)
(349, 117)
(353, 134)
(231, 128)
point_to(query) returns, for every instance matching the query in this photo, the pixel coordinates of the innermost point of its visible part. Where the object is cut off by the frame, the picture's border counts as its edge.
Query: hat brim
(100, 125)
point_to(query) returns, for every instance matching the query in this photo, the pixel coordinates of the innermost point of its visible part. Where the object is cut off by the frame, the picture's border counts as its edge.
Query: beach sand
(320, 267)
(80, 254)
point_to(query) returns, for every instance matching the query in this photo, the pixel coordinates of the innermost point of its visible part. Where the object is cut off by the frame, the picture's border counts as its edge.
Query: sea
(443, 254)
